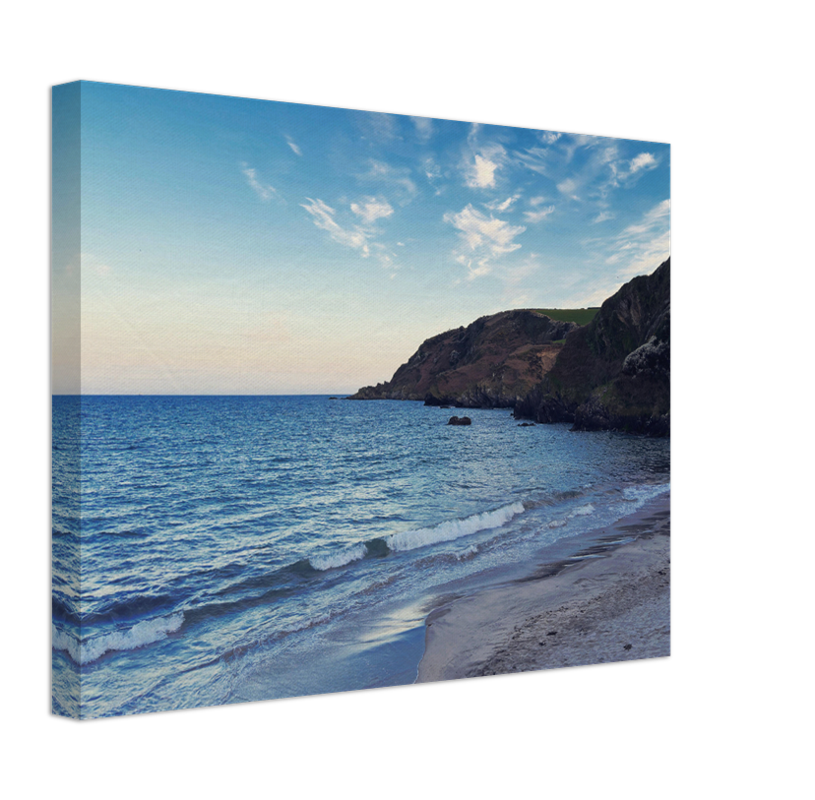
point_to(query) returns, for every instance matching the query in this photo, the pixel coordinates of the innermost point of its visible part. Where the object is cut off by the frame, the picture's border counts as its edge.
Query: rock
(526, 424)
(614, 373)
(333, 398)
(626, 647)
(491, 363)
(460, 421)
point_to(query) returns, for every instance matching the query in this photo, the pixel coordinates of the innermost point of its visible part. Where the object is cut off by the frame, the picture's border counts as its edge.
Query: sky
(235, 246)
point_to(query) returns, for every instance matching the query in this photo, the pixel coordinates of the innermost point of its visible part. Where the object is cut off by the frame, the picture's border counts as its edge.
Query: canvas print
(346, 400)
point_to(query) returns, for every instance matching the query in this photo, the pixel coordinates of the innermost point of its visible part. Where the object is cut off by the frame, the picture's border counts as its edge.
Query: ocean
(246, 548)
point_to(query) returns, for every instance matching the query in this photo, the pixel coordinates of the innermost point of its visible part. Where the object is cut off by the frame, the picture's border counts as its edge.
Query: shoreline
(608, 602)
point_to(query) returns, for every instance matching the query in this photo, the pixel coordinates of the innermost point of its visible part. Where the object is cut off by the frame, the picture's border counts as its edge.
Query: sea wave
(642, 494)
(340, 558)
(143, 633)
(583, 511)
(453, 529)
(580, 511)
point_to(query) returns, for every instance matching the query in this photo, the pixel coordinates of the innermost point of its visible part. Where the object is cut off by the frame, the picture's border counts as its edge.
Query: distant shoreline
(611, 603)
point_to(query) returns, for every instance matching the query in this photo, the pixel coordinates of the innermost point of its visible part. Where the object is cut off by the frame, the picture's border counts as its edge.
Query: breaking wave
(453, 529)
(143, 633)
(339, 559)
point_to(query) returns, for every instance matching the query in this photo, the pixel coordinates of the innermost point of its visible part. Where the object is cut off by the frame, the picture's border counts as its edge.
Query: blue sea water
(209, 550)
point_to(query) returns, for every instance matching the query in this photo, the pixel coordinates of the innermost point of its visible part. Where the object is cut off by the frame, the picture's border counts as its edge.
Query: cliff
(614, 373)
(492, 363)
(611, 374)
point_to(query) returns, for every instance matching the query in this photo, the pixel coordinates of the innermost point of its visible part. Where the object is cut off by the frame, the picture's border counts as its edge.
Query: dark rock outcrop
(460, 421)
(492, 363)
(614, 373)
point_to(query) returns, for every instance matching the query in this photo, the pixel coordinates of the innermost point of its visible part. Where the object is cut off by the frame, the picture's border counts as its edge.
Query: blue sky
(245, 246)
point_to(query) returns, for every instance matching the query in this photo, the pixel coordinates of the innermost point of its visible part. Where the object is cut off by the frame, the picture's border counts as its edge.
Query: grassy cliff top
(580, 316)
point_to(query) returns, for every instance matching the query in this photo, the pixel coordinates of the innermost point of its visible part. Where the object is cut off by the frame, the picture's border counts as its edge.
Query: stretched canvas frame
(66, 310)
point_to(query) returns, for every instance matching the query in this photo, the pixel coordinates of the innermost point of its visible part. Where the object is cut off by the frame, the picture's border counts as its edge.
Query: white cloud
(479, 230)
(538, 216)
(568, 187)
(503, 205)
(536, 201)
(482, 161)
(476, 268)
(431, 169)
(642, 161)
(481, 174)
(486, 238)
(357, 236)
(323, 217)
(294, 146)
(549, 137)
(372, 209)
(602, 217)
(264, 191)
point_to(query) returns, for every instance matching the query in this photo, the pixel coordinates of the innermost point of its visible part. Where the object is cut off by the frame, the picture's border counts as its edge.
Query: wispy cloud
(323, 217)
(539, 215)
(431, 169)
(603, 216)
(424, 128)
(625, 173)
(569, 145)
(264, 191)
(485, 238)
(503, 205)
(537, 159)
(378, 126)
(294, 146)
(645, 244)
(372, 209)
(359, 236)
(398, 178)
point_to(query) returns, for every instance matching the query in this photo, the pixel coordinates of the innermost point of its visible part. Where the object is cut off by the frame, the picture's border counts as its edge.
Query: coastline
(610, 601)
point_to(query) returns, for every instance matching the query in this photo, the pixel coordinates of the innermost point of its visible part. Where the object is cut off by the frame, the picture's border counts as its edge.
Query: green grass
(582, 316)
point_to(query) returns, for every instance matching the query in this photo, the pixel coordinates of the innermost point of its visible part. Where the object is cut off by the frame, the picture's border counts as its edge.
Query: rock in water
(460, 421)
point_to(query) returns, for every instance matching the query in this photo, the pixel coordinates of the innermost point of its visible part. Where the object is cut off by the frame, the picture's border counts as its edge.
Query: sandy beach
(608, 601)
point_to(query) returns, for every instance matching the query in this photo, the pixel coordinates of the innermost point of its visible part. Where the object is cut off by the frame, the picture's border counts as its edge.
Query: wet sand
(610, 601)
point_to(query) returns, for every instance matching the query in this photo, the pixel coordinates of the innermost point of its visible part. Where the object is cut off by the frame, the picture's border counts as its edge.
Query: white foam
(60, 640)
(583, 511)
(142, 633)
(642, 494)
(453, 529)
(345, 556)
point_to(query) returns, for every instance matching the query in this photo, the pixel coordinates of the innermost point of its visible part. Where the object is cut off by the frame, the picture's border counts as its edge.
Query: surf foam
(453, 529)
(143, 633)
(339, 559)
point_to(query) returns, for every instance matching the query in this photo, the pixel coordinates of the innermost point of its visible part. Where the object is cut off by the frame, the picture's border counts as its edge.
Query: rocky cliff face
(492, 363)
(614, 373)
